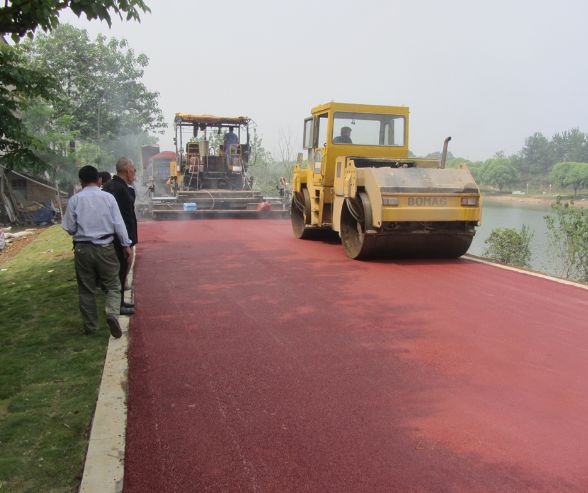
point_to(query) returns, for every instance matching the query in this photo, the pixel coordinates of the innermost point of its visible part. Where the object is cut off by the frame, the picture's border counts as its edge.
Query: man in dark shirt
(345, 137)
(119, 187)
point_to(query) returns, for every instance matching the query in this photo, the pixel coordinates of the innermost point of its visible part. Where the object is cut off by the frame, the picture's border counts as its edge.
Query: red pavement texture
(259, 362)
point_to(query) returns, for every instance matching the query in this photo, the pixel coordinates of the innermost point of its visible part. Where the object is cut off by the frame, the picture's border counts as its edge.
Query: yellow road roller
(359, 181)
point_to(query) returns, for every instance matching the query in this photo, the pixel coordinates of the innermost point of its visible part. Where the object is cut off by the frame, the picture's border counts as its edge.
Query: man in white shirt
(93, 219)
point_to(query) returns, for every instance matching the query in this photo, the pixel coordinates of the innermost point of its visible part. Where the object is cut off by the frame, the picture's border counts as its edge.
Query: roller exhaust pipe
(444, 153)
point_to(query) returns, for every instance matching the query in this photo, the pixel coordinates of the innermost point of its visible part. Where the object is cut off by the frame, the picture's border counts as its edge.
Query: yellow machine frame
(331, 178)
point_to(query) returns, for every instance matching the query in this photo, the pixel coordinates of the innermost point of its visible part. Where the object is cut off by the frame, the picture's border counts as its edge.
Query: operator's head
(88, 176)
(230, 129)
(125, 169)
(345, 132)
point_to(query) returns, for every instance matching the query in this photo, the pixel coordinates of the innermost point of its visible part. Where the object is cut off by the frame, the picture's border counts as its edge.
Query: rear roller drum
(300, 214)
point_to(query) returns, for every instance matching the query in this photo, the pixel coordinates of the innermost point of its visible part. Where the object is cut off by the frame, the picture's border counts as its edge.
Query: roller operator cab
(359, 182)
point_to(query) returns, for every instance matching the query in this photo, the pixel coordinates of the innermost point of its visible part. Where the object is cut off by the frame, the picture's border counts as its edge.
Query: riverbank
(530, 200)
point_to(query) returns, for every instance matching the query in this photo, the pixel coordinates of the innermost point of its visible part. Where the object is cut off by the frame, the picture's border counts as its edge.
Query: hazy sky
(488, 73)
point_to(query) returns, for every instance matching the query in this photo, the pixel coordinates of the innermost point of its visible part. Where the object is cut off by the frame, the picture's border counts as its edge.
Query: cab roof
(210, 120)
(360, 108)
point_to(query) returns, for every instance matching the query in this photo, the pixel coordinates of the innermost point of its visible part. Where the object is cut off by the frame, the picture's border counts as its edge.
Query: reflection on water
(515, 216)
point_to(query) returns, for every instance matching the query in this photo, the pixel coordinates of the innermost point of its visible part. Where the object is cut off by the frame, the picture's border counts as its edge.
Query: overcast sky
(488, 73)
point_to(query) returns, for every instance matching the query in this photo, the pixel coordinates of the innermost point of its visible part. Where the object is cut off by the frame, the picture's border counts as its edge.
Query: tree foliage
(33, 122)
(22, 17)
(499, 172)
(100, 103)
(101, 83)
(20, 86)
(570, 175)
(568, 230)
(536, 154)
(571, 145)
(509, 246)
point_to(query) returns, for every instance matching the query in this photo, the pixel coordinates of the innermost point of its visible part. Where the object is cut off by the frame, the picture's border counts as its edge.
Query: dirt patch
(17, 244)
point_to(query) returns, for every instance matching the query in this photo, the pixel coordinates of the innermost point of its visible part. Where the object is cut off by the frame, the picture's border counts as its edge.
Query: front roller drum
(355, 216)
(359, 244)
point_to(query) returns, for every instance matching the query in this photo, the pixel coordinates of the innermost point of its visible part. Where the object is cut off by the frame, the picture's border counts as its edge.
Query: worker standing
(119, 187)
(230, 139)
(94, 220)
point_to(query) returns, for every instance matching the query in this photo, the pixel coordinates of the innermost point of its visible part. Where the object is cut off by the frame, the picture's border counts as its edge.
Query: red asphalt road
(259, 362)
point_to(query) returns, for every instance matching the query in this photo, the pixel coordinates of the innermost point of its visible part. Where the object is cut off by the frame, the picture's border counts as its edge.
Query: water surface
(497, 215)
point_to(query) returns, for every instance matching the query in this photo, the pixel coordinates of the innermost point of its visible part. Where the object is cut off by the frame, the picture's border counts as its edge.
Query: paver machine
(208, 177)
(360, 183)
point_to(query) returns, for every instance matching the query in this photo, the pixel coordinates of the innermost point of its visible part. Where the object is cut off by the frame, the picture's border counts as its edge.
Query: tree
(571, 145)
(101, 82)
(499, 172)
(536, 155)
(20, 86)
(437, 155)
(571, 175)
(56, 135)
(509, 246)
(20, 83)
(285, 148)
(262, 165)
(568, 230)
(22, 17)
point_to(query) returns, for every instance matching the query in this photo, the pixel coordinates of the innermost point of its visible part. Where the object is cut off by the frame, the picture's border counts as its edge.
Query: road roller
(359, 183)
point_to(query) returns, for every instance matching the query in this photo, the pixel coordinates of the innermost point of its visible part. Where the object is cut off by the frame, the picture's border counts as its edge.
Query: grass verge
(49, 370)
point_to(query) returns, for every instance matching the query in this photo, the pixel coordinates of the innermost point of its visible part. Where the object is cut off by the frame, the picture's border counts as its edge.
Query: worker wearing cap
(93, 219)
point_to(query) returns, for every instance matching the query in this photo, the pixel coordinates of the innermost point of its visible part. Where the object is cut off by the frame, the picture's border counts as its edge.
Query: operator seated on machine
(345, 137)
(230, 139)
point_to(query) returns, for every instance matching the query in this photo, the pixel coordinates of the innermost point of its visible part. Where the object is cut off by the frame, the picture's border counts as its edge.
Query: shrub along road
(259, 362)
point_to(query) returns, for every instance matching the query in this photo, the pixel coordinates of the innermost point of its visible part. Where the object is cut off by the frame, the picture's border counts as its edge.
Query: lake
(497, 215)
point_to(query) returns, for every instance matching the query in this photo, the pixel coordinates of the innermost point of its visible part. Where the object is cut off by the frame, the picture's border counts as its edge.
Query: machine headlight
(469, 201)
(390, 201)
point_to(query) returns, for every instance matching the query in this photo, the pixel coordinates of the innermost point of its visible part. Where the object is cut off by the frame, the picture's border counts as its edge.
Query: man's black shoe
(114, 326)
(124, 310)
(127, 304)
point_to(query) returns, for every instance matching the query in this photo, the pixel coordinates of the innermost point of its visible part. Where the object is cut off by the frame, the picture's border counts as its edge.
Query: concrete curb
(528, 272)
(104, 467)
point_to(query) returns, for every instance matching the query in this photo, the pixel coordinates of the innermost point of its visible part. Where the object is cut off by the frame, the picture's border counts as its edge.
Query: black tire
(356, 242)
(300, 214)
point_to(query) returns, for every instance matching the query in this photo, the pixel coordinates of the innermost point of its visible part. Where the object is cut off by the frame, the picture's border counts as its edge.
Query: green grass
(49, 370)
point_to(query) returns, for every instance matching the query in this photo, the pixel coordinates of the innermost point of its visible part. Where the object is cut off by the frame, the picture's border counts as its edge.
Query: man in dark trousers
(119, 187)
(93, 219)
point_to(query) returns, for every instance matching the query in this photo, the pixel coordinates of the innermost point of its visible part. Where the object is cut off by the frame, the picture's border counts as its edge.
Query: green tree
(509, 246)
(20, 87)
(571, 145)
(261, 165)
(101, 83)
(56, 135)
(20, 82)
(536, 155)
(571, 175)
(568, 231)
(499, 172)
(22, 17)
